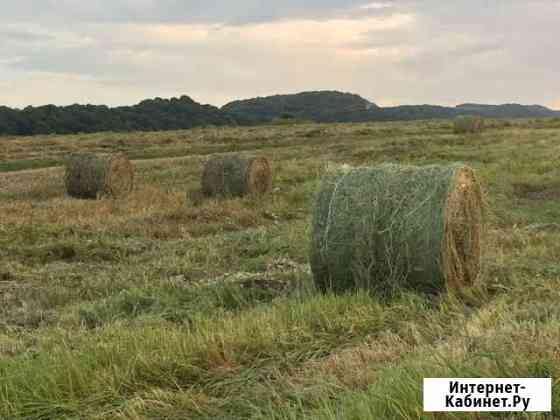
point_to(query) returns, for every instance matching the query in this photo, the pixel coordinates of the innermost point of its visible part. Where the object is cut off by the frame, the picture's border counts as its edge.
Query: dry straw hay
(90, 176)
(468, 124)
(235, 175)
(392, 226)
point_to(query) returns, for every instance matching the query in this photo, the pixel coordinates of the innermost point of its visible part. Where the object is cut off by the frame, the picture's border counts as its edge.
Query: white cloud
(300, 33)
(217, 63)
(376, 6)
(409, 51)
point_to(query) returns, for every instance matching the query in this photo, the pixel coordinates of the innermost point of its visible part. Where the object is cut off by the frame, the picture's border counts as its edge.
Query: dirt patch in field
(355, 367)
(6, 276)
(32, 181)
(536, 193)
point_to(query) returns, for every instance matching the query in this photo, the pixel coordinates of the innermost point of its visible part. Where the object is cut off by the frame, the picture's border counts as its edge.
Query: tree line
(183, 113)
(149, 115)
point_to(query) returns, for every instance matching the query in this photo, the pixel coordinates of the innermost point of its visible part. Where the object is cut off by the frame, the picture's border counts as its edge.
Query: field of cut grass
(164, 305)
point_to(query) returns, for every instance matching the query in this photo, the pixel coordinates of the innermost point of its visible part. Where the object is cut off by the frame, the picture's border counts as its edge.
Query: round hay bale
(392, 226)
(235, 175)
(91, 176)
(468, 124)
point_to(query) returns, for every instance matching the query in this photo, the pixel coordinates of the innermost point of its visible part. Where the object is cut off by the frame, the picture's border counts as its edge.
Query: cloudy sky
(119, 52)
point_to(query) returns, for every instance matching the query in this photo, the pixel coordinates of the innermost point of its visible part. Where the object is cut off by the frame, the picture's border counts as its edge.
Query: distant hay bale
(468, 124)
(392, 226)
(235, 175)
(90, 176)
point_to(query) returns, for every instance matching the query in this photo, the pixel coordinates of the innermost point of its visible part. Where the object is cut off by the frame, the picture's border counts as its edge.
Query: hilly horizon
(278, 95)
(350, 107)
(325, 106)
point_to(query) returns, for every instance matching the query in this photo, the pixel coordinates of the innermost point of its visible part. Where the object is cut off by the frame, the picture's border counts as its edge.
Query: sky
(394, 52)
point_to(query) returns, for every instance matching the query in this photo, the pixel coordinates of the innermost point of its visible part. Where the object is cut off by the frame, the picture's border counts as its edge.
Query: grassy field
(164, 305)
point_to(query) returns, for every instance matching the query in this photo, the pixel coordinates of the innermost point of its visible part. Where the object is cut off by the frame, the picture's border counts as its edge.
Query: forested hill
(183, 112)
(324, 106)
(509, 110)
(153, 114)
(343, 107)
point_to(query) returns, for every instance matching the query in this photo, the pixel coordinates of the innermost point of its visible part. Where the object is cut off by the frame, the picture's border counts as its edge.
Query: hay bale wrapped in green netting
(235, 175)
(392, 226)
(92, 176)
(468, 124)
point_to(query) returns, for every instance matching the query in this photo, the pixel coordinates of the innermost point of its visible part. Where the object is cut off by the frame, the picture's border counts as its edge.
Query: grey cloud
(79, 61)
(459, 51)
(477, 50)
(186, 11)
(7, 35)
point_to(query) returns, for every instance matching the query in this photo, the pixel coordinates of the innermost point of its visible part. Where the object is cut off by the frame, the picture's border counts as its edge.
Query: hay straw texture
(91, 176)
(392, 226)
(468, 124)
(236, 176)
